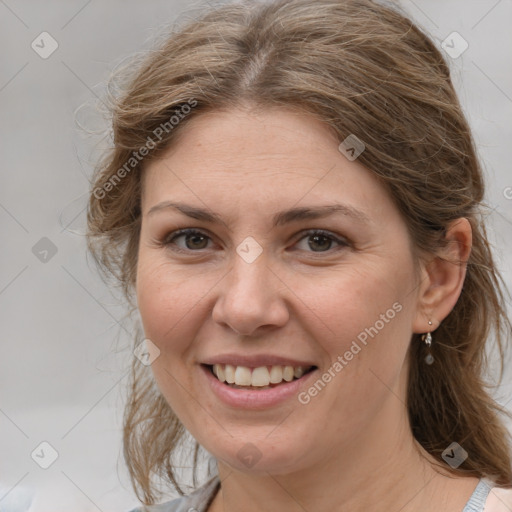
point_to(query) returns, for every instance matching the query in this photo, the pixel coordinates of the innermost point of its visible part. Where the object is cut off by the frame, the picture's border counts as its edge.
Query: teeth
(298, 372)
(276, 374)
(242, 376)
(229, 373)
(220, 373)
(260, 377)
(288, 373)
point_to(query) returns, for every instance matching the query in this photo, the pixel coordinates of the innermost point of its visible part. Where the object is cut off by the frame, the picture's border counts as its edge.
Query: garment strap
(477, 500)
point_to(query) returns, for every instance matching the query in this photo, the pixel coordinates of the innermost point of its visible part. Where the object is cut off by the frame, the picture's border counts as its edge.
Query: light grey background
(63, 365)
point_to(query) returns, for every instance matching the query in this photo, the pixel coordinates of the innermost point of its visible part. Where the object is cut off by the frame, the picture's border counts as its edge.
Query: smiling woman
(303, 241)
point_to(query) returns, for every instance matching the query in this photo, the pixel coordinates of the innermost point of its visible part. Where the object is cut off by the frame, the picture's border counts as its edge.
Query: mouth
(259, 378)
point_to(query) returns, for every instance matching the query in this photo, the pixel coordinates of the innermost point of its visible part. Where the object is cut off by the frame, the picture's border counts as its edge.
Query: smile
(262, 377)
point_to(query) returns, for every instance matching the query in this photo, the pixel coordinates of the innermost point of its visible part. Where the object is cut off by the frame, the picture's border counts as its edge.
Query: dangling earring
(427, 338)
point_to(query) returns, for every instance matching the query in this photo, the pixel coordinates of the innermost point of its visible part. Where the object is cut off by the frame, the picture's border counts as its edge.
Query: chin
(261, 458)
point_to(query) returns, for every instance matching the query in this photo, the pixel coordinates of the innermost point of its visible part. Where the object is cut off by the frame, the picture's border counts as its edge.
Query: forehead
(246, 157)
(242, 138)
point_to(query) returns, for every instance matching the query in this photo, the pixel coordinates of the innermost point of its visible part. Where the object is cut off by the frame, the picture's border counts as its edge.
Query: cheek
(368, 314)
(366, 318)
(166, 299)
(353, 299)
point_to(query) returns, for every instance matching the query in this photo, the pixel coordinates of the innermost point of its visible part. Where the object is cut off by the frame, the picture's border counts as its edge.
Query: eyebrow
(279, 219)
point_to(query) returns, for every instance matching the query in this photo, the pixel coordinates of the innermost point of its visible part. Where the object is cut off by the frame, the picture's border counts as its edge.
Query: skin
(351, 447)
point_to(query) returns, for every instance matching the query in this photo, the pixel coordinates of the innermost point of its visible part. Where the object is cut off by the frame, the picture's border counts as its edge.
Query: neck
(383, 469)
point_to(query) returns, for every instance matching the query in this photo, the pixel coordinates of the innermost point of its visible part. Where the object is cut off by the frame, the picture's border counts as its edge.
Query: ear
(442, 277)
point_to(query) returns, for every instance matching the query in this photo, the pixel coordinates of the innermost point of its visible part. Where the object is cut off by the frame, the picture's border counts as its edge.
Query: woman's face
(255, 288)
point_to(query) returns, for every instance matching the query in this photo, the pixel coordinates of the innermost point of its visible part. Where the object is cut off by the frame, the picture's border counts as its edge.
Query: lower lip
(255, 399)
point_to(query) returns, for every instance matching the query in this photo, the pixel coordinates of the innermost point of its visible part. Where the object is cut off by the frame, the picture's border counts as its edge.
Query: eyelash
(169, 240)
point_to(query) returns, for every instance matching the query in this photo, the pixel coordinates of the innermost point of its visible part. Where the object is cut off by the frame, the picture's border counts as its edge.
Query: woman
(293, 206)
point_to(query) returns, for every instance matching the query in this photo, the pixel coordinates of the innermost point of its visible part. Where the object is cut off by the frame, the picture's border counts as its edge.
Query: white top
(485, 498)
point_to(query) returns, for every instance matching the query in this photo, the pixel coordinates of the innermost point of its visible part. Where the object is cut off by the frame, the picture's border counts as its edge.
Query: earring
(427, 338)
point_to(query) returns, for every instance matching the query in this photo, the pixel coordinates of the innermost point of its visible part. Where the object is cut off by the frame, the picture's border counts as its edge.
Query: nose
(250, 298)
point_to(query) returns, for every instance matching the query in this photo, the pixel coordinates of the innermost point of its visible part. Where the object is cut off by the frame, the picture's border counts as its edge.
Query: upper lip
(255, 361)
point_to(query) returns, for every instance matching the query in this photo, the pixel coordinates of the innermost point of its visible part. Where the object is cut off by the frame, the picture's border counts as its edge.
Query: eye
(322, 240)
(195, 240)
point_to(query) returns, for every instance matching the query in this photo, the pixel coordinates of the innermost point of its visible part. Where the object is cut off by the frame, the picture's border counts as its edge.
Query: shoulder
(196, 501)
(499, 500)
(170, 506)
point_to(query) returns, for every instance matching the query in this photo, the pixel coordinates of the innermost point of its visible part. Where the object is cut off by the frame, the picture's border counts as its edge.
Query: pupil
(316, 237)
(195, 238)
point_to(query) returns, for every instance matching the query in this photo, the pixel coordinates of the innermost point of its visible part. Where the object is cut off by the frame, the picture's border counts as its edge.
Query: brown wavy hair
(362, 68)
